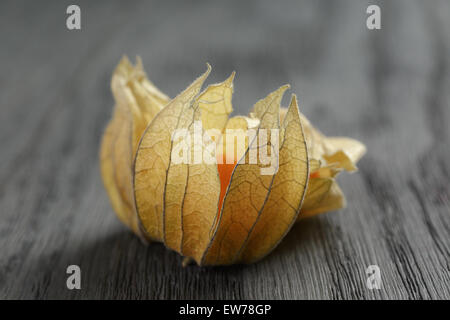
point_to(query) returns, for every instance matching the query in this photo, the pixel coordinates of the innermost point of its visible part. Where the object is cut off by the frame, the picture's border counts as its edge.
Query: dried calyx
(211, 212)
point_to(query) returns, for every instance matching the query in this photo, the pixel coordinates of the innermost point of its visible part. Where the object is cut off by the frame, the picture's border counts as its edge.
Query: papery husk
(192, 207)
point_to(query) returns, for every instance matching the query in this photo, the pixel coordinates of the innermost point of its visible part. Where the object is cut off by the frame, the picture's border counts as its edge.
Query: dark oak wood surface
(389, 88)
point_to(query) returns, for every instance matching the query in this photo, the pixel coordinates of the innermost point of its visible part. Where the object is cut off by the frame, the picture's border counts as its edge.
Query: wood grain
(388, 88)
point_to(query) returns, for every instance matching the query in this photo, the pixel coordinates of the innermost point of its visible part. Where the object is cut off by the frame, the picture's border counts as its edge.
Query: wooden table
(389, 88)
